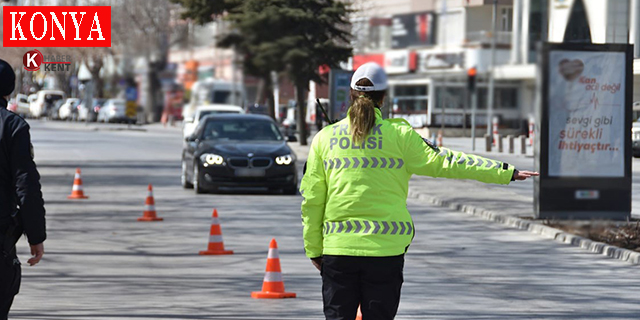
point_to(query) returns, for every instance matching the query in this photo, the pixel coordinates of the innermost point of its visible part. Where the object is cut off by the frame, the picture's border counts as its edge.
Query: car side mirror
(190, 139)
(292, 138)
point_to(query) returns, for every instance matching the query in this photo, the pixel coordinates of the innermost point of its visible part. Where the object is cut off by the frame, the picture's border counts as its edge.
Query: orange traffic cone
(149, 208)
(273, 286)
(216, 246)
(76, 191)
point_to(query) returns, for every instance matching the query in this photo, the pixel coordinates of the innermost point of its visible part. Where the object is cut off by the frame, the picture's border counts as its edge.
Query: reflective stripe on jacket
(355, 196)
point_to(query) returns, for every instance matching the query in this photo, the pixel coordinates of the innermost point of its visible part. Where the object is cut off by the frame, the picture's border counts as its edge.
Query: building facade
(427, 46)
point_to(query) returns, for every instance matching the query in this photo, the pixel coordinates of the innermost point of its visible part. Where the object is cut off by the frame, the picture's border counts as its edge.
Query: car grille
(260, 162)
(247, 162)
(239, 162)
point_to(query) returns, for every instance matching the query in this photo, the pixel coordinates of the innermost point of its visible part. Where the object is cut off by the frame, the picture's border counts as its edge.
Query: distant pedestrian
(356, 224)
(21, 204)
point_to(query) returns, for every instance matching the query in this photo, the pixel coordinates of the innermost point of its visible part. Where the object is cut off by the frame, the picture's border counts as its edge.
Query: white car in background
(190, 124)
(44, 100)
(22, 105)
(114, 110)
(68, 110)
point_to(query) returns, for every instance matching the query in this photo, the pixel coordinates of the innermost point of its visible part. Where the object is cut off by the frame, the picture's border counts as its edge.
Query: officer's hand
(524, 175)
(37, 250)
(317, 262)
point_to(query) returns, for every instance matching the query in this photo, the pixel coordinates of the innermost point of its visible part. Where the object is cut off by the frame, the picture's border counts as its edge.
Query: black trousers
(373, 283)
(10, 275)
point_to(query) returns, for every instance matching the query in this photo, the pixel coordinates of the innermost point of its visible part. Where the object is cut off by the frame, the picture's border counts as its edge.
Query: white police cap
(374, 73)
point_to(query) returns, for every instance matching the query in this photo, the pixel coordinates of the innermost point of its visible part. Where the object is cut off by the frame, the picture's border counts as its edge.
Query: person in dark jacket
(21, 203)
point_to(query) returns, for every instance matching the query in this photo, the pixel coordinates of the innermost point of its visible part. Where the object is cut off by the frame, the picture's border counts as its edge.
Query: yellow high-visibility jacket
(355, 196)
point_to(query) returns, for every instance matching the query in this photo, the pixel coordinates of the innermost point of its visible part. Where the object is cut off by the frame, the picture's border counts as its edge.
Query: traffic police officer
(21, 204)
(356, 223)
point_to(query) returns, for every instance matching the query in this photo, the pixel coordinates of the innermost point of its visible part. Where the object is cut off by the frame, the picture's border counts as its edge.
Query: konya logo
(56, 26)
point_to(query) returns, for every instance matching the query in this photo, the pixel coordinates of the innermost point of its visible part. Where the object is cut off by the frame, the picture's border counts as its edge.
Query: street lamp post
(492, 61)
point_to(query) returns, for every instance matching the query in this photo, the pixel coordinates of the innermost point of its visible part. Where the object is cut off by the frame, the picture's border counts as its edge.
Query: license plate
(250, 173)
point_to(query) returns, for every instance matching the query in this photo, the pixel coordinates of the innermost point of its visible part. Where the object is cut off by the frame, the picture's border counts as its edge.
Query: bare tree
(147, 29)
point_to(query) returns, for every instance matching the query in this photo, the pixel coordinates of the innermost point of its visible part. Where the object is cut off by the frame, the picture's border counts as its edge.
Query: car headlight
(284, 160)
(211, 159)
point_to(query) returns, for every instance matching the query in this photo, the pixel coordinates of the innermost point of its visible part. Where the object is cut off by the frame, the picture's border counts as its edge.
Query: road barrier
(76, 190)
(510, 145)
(523, 144)
(149, 213)
(272, 285)
(487, 143)
(216, 245)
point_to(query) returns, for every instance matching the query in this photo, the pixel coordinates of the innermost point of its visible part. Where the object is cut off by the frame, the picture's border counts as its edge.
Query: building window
(410, 99)
(618, 21)
(506, 19)
(379, 34)
(505, 98)
(537, 26)
(451, 98)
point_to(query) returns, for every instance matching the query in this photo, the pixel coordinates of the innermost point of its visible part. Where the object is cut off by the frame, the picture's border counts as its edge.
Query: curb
(536, 228)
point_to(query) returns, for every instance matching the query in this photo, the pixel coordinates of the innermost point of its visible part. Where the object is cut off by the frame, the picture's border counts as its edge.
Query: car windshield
(208, 112)
(241, 130)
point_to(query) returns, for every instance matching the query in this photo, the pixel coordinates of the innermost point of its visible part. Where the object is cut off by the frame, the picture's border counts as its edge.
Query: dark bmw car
(238, 150)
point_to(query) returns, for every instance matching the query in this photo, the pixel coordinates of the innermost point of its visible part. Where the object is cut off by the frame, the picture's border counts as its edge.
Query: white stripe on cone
(214, 221)
(149, 208)
(76, 187)
(215, 238)
(273, 277)
(77, 176)
(273, 254)
(150, 194)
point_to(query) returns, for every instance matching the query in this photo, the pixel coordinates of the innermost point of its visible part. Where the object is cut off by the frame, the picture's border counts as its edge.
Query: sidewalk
(510, 205)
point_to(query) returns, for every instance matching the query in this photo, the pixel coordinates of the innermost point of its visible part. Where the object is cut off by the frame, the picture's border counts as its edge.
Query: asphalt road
(100, 263)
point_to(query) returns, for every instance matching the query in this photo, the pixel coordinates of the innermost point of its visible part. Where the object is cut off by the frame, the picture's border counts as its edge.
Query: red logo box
(56, 26)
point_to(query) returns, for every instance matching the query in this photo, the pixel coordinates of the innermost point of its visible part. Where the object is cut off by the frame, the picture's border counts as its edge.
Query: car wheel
(183, 177)
(196, 179)
(292, 190)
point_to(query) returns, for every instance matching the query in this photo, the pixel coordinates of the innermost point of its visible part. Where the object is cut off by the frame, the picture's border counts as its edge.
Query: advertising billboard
(583, 152)
(339, 82)
(586, 114)
(415, 29)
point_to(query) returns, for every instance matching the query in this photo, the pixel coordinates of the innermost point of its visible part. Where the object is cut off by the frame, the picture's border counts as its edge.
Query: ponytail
(362, 114)
(362, 117)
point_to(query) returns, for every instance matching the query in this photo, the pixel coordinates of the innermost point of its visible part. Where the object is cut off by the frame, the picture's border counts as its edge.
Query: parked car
(12, 105)
(54, 112)
(31, 99)
(238, 150)
(635, 139)
(189, 124)
(113, 110)
(86, 113)
(44, 100)
(68, 110)
(22, 105)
